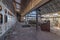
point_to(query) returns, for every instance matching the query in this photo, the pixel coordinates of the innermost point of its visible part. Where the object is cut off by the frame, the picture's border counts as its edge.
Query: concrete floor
(20, 33)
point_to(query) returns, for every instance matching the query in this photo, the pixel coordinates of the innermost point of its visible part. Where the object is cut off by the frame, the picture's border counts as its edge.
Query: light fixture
(24, 17)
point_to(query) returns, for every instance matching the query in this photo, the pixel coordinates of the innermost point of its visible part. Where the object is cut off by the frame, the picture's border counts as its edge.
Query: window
(5, 18)
(1, 18)
(5, 10)
(0, 7)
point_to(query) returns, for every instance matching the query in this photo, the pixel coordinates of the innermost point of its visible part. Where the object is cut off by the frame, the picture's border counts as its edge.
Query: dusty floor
(29, 33)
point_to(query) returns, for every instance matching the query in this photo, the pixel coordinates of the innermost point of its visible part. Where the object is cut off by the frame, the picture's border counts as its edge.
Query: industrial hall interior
(29, 19)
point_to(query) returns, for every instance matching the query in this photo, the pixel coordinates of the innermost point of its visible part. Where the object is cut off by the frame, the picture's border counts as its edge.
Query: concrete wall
(10, 19)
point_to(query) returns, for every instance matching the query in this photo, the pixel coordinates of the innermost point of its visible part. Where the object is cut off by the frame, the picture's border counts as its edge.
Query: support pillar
(37, 12)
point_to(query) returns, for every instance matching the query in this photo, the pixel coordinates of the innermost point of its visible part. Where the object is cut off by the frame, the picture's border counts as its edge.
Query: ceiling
(17, 5)
(20, 4)
(24, 6)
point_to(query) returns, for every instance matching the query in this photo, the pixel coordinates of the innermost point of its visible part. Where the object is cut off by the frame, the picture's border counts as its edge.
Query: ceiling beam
(14, 4)
(32, 5)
